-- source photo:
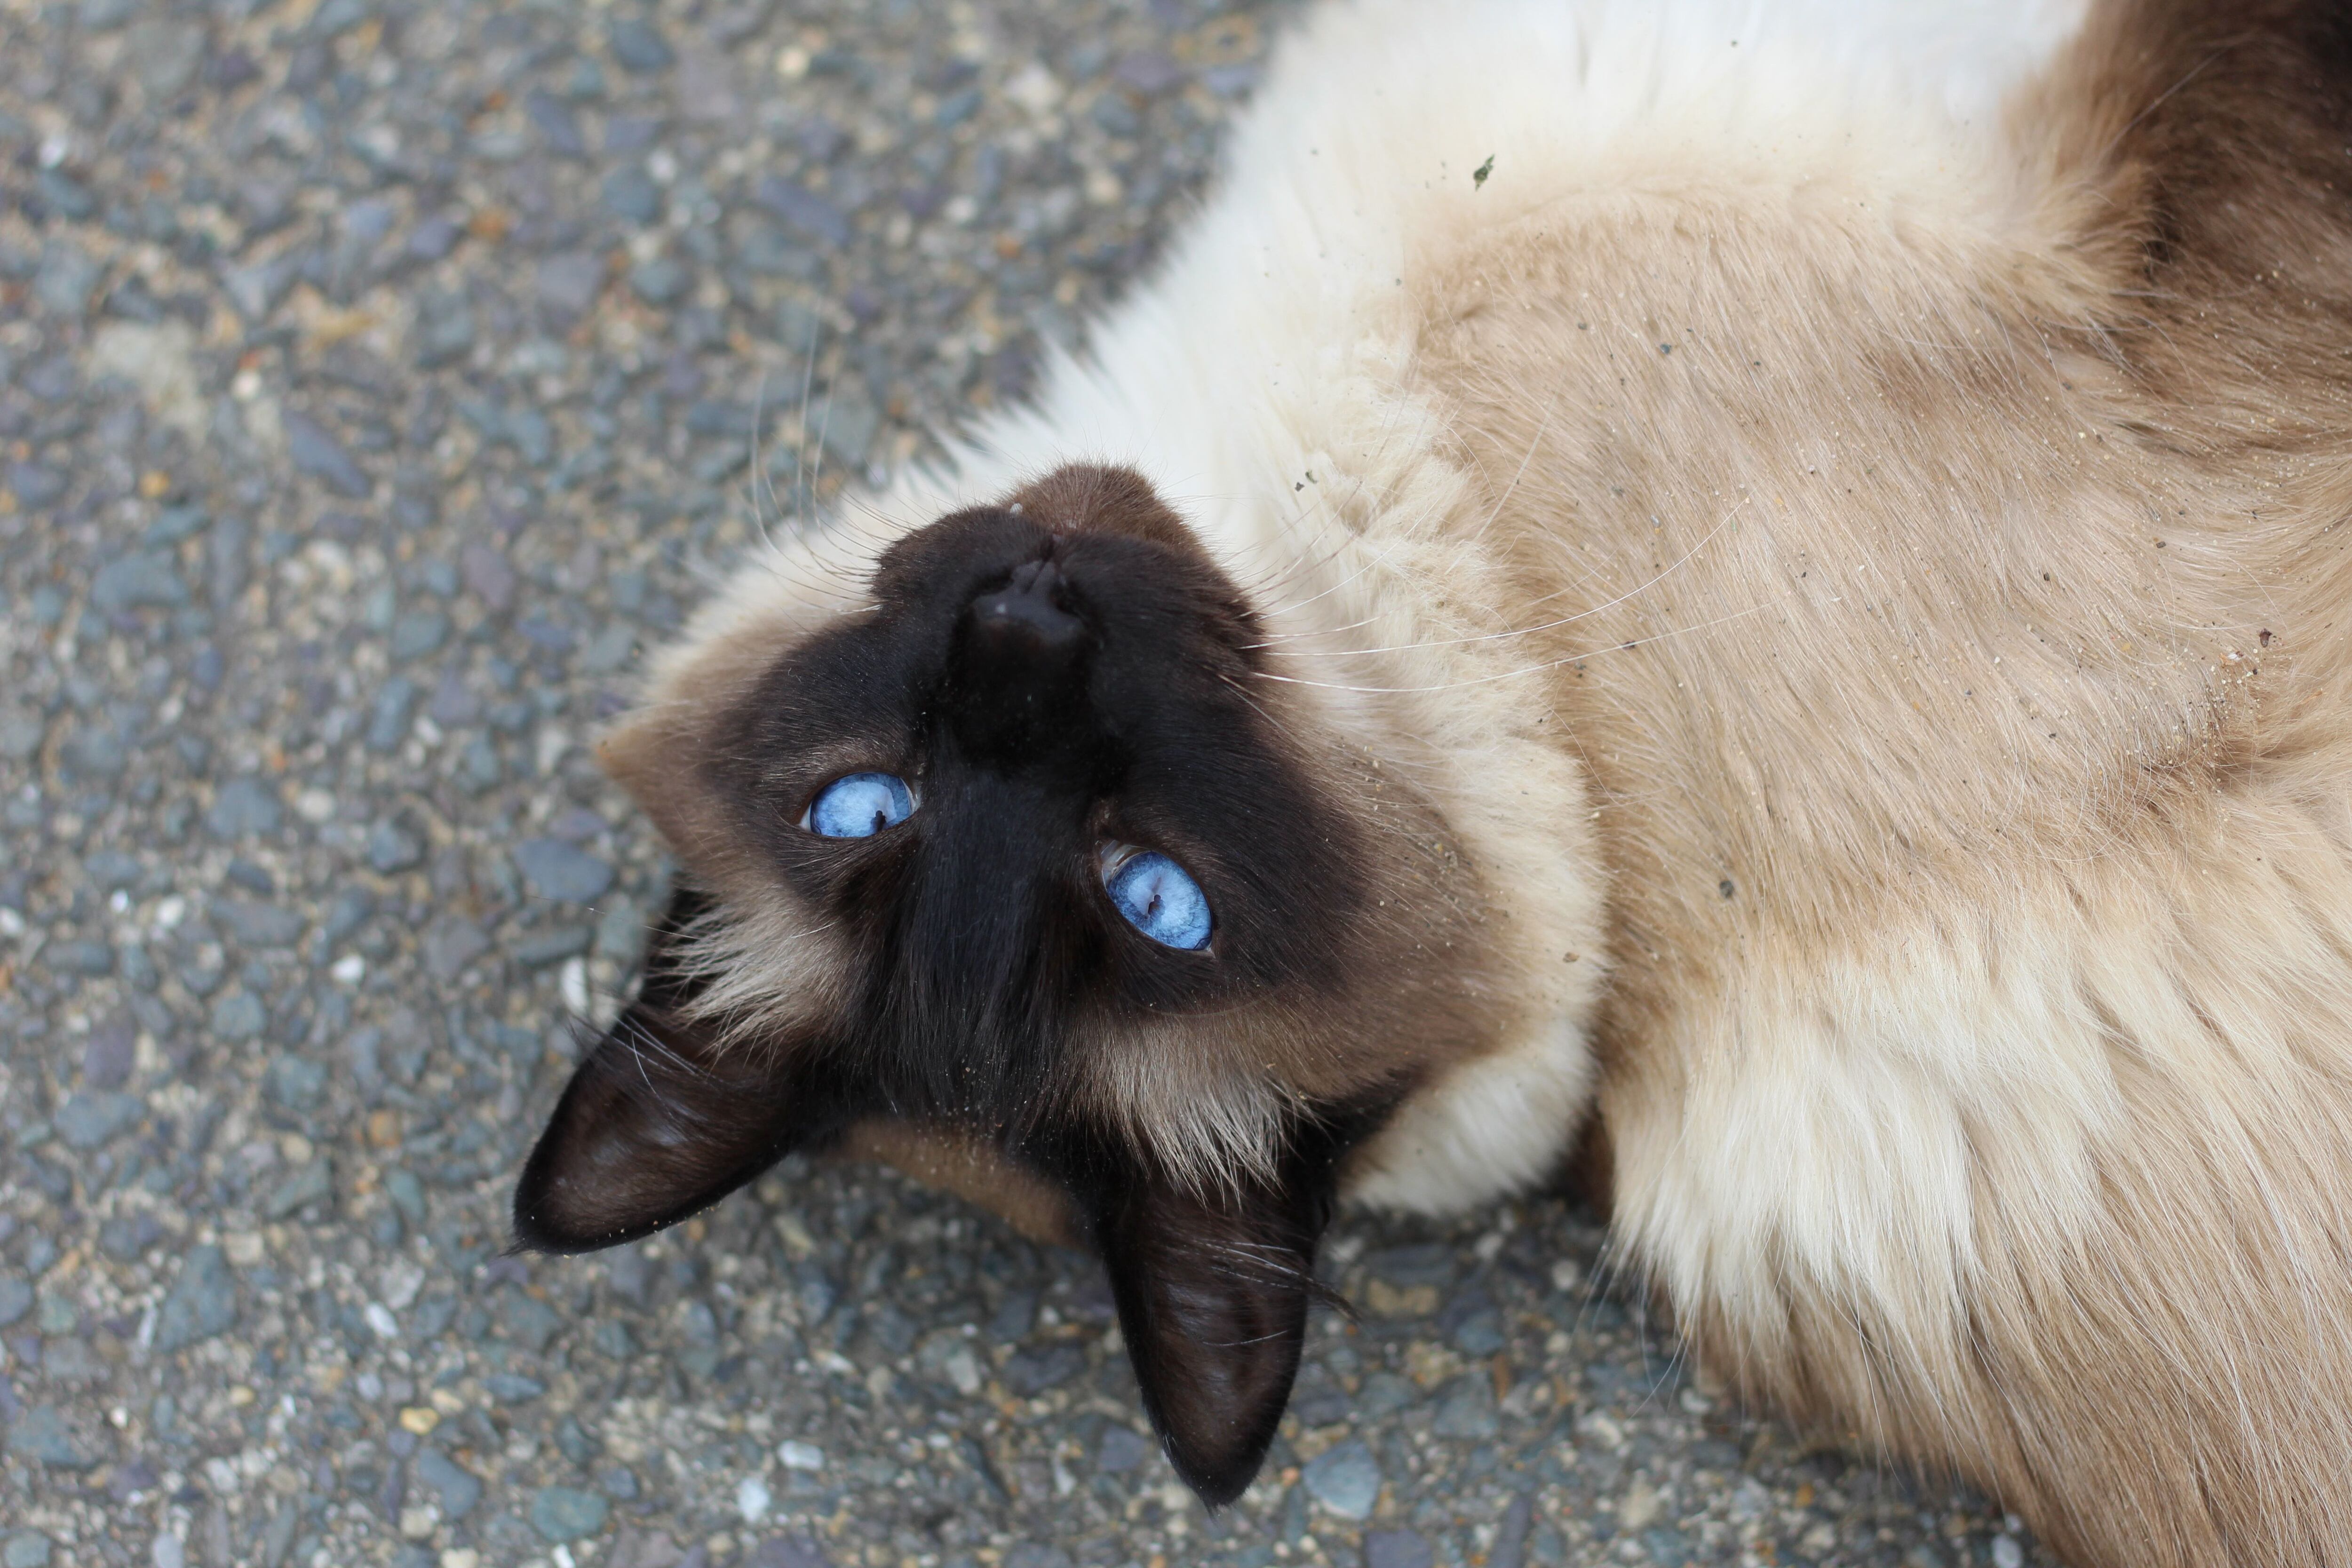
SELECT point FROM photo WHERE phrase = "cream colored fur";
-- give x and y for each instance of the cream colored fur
(1913, 801)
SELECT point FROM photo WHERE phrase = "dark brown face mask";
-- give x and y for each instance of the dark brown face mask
(952, 784)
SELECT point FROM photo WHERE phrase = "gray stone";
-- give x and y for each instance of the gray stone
(417, 633)
(1150, 72)
(16, 1298)
(1466, 1409)
(631, 194)
(453, 703)
(26, 1549)
(621, 932)
(294, 1082)
(334, 18)
(514, 1388)
(105, 15)
(555, 120)
(567, 1513)
(201, 1301)
(444, 328)
(1035, 1554)
(639, 48)
(110, 869)
(543, 948)
(609, 649)
(1397, 1549)
(815, 215)
(762, 247)
(557, 870)
(458, 1488)
(91, 1119)
(244, 807)
(262, 926)
(1407, 1266)
(530, 433)
(21, 736)
(393, 710)
(391, 848)
(407, 1194)
(141, 579)
(35, 485)
(452, 943)
(42, 1437)
(67, 277)
(238, 1016)
(313, 1183)
(1346, 1479)
(569, 283)
(1033, 1370)
(575, 1441)
(316, 452)
(1672, 1549)
(74, 956)
(480, 759)
(433, 238)
(110, 1054)
(1120, 1449)
(845, 425)
(487, 575)
(1479, 1334)
(660, 280)
(163, 54)
(97, 751)
(259, 288)
(528, 1322)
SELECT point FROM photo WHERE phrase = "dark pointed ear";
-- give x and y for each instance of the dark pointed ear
(661, 1120)
(1212, 1289)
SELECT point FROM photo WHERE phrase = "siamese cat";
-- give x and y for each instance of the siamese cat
(1770, 579)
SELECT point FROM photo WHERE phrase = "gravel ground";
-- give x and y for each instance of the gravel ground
(376, 382)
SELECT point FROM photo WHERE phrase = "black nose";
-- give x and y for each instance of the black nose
(1016, 689)
(1025, 620)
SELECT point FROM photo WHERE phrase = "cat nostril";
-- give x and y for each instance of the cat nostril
(1024, 612)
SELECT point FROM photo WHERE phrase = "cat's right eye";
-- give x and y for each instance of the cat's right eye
(859, 806)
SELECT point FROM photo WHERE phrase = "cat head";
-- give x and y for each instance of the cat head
(1003, 840)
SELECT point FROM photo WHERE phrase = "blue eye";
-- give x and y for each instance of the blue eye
(859, 806)
(1159, 899)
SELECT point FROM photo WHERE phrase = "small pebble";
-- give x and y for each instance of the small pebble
(566, 1513)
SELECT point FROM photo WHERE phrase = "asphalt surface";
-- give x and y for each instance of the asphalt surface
(377, 382)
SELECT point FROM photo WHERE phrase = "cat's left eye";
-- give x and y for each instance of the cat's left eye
(859, 806)
(1158, 897)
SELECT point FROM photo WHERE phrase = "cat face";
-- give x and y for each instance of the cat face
(1020, 853)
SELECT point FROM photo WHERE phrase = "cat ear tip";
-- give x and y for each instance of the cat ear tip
(1220, 1492)
(1218, 1480)
(529, 1231)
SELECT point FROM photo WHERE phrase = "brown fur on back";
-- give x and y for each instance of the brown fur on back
(1953, 621)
